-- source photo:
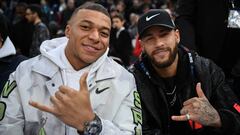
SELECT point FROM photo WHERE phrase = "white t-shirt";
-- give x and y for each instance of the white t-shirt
(72, 77)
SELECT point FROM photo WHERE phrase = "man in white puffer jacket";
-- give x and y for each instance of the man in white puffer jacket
(45, 95)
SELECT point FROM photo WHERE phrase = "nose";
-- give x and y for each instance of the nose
(159, 42)
(94, 35)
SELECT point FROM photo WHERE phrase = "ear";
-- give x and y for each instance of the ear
(67, 31)
(177, 34)
(142, 45)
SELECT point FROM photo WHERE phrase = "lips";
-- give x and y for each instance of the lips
(90, 48)
(160, 52)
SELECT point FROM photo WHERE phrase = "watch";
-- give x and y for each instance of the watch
(93, 127)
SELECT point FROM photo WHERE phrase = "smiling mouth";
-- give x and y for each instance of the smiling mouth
(160, 52)
(90, 48)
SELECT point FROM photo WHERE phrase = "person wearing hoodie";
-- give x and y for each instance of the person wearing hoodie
(46, 95)
(9, 60)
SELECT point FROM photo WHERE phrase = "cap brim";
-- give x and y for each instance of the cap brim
(163, 25)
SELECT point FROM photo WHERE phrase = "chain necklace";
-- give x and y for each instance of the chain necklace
(170, 94)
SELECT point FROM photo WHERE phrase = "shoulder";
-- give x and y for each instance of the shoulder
(201, 64)
(39, 62)
(28, 63)
(119, 70)
(20, 58)
(205, 64)
(121, 80)
(120, 75)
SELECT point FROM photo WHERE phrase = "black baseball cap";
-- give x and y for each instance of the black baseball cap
(153, 17)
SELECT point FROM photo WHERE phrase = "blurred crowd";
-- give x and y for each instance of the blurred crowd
(140, 39)
(55, 14)
(30, 22)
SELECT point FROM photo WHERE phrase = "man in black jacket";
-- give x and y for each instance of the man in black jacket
(211, 28)
(121, 42)
(181, 92)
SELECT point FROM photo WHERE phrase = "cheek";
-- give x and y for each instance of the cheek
(147, 50)
(105, 42)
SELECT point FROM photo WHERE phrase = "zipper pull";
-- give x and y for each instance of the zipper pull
(41, 130)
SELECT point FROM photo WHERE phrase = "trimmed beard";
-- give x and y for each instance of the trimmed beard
(167, 63)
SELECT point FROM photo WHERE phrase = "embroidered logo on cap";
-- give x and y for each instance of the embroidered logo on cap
(149, 18)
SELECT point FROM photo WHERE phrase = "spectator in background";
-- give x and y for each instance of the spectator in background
(121, 43)
(40, 33)
(54, 30)
(62, 5)
(20, 26)
(47, 12)
(121, 7)
(9, 60)
(204, 26)
(66, 13)
(132, 29)
(181, 92)
(133, 25)
(113, 12)
(212, 39)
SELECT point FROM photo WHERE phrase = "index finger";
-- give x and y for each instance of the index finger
(179, 118)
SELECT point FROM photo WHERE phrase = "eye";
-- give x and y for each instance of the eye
(104, 34)
(85, 27)
(164, 32)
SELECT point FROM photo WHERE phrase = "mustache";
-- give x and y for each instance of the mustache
(157, 50)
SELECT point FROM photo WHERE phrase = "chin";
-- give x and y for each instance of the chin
(90, 60)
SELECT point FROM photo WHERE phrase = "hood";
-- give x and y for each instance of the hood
(51, 49)
(7, 48)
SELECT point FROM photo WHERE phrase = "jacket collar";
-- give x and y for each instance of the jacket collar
(54, 73)
(183, 68)
(47, 68)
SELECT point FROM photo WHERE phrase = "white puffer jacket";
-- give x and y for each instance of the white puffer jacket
(39, 78)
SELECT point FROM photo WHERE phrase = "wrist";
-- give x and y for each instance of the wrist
(93, 127)
(88, 118)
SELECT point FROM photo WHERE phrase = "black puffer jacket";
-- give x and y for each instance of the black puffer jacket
(156, 111)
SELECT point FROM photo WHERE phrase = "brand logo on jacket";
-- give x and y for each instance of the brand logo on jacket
(98, 91)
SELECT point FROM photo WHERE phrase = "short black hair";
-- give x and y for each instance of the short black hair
(35, 9)
(91, 6)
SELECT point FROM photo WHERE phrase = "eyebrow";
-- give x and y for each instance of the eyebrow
(90, 22)
(146, 34)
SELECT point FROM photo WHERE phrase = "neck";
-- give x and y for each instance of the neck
(169, 71)
(37, 21)
(76, 63)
